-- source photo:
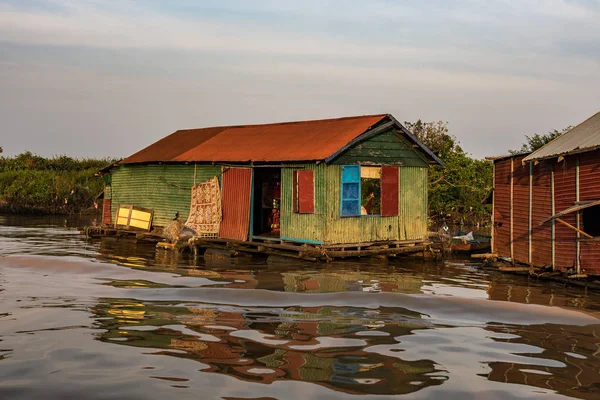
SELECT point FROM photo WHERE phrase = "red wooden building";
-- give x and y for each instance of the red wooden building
(547, 203)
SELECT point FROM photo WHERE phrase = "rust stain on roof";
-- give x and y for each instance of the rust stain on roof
(285, 141)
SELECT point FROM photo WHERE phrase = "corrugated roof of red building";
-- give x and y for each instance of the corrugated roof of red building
(285, 141)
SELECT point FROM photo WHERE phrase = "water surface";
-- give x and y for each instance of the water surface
(118, 320)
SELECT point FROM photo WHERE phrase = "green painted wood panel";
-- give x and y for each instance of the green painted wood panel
(353, 229)
(303, 226)
(328, 226)
(413, 202)
(164, 188)
(386, 148)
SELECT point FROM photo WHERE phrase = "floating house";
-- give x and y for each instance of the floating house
(328, 182)
(547, 203)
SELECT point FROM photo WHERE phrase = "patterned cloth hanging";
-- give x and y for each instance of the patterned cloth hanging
(205, 208)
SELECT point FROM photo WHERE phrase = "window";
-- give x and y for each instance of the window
(369, 190)
(350, 190)
(303, 196)
(591, 220)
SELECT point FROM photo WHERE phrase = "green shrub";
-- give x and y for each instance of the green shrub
(59, 185)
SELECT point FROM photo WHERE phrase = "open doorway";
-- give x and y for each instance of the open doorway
(267, 201)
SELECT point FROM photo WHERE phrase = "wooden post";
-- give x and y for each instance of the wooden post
(579, 231)
(553, 221)
(578, 216)
(530, 213)
(512, 212)
(493, 241)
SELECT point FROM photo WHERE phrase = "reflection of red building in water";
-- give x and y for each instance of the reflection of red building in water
(572, 367)
(248, 345)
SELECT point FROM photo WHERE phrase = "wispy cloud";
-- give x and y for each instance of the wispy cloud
(463, 61)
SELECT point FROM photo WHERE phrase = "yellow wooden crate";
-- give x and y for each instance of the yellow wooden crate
(132, 217)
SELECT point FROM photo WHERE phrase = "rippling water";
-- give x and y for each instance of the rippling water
(118, 320)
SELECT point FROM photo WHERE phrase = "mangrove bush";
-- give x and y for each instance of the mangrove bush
(456, 192)
(59, 185)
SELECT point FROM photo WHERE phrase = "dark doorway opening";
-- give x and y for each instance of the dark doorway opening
(591, 220)
(267, 201)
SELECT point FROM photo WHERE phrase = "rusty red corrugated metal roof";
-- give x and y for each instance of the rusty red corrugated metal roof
(285, 141)
(167, 148)
(288, 141)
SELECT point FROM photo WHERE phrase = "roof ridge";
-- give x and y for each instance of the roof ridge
(310, 121)
(565, 137)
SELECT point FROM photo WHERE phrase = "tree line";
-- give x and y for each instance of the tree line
(63, 185)
(457, 192)
(58, 185)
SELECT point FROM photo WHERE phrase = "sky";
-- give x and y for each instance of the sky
(107, 78)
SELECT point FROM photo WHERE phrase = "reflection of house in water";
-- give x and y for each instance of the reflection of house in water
(570, 350)
(264, 346)
(542, 295)
(325, 281)
(574, 348)
(130, 254)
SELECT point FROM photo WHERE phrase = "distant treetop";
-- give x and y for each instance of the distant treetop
(537, 141)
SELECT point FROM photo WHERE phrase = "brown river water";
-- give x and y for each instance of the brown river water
(84, 319)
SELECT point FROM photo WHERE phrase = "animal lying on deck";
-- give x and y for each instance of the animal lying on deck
(176, 231)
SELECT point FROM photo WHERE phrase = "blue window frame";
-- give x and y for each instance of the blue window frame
(350, 206)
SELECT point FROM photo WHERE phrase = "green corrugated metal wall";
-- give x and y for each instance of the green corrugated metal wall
(156, 187)
(304, 226)
(327, 225)
(413, 202)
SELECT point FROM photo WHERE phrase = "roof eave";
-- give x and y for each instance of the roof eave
(433, 159)
(566, 153)
(425, 149)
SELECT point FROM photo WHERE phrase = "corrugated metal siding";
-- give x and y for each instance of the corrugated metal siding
(565, 197)
(106, 213)
(521, 210)
(303, 226)
(107, 192)
(413, 203)
(542, 209)
(389, 147)
(411, 223)
(502, 208)
(153, 186)
(236, 203)
(589, 189)
(327, 225)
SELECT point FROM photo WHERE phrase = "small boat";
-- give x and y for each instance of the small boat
(469, 243)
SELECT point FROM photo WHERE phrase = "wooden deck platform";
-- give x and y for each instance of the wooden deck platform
(96, 232)
(273, 246)
(310, 252)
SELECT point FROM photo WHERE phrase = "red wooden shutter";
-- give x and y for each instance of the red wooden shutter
(390, 188)
(295, 192)
(306, 192)
(106, 215)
